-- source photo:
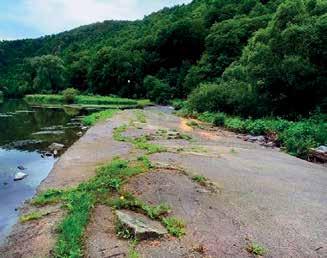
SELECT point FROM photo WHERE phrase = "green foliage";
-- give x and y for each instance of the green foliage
(200, 179)
(140, 116)
(141, 142)
(296, 137)
(69, 95)
(50, 196)
(80, 200)
(175, 226)
(242, 57)
(256, 249)
(45, 74)
(71, 229)
(81, 100)
(300, 137)
(279, 71)
(157, 90)
(94, 118)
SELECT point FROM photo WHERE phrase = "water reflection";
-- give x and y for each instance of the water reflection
(26, 133)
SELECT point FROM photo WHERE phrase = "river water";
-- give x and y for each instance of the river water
(25, 135)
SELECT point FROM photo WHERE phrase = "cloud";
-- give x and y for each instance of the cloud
(52, 16)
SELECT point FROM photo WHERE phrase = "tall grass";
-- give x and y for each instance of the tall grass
(80, 99)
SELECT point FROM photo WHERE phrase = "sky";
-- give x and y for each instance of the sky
(34, 18)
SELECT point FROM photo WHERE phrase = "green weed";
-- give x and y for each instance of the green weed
(31, 216)
(200, 180)
(175, 226)
(256, 249)
(140, 116)
(98, 117)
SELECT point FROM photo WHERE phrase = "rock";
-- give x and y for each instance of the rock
(20, 167)
(84, 128)
(79, 134)
(48, 154)
(55, 152)
(141, 226)
(270, 144)
(322, 149)
(251, 138)
(20, 176)
(56, 146)
(171, 135)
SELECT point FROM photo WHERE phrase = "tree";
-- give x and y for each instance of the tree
(157, 90)
(45, 73)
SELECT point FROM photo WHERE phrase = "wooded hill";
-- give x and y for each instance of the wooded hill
(246, 57)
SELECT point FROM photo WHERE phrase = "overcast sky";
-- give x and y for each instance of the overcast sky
(34, 18)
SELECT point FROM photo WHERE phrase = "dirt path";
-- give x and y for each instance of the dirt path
(262, 195)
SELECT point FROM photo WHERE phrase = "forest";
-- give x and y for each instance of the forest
(248, 58)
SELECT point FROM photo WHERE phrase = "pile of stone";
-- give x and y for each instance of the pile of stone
(262, 140)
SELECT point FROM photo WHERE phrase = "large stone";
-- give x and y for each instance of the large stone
(322, 149)
(56, 146)
(20, 176)
(142, 226)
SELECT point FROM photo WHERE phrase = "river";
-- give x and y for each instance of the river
(25, 135)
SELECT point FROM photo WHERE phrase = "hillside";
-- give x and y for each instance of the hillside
(260, 48)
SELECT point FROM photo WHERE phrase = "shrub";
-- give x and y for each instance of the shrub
(69, 95)
(302, 136)
(157, 90)
(219, 119)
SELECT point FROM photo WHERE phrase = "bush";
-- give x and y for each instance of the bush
(157, 90)
(70, 95)
(302, 136)
(219, 119)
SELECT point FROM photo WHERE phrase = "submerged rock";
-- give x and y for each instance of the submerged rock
(141, 226)
(20, 176)
(20, 167)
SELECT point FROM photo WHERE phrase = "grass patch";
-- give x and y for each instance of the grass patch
(51, 196)
(130, 202)
(140, 116)
(79, 201)
(31, 216)
(175, 226)
(200, 180)
(141, 143)
(80, 99)
(256, 249)
(94, 118)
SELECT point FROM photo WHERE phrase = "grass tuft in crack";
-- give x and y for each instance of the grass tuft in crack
(256, 249)
(175, 226)
(79, 201)
(32, 216)
(140, 116)
(141, 143)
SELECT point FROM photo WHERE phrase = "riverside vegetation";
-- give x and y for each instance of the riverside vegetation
(249, 59)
